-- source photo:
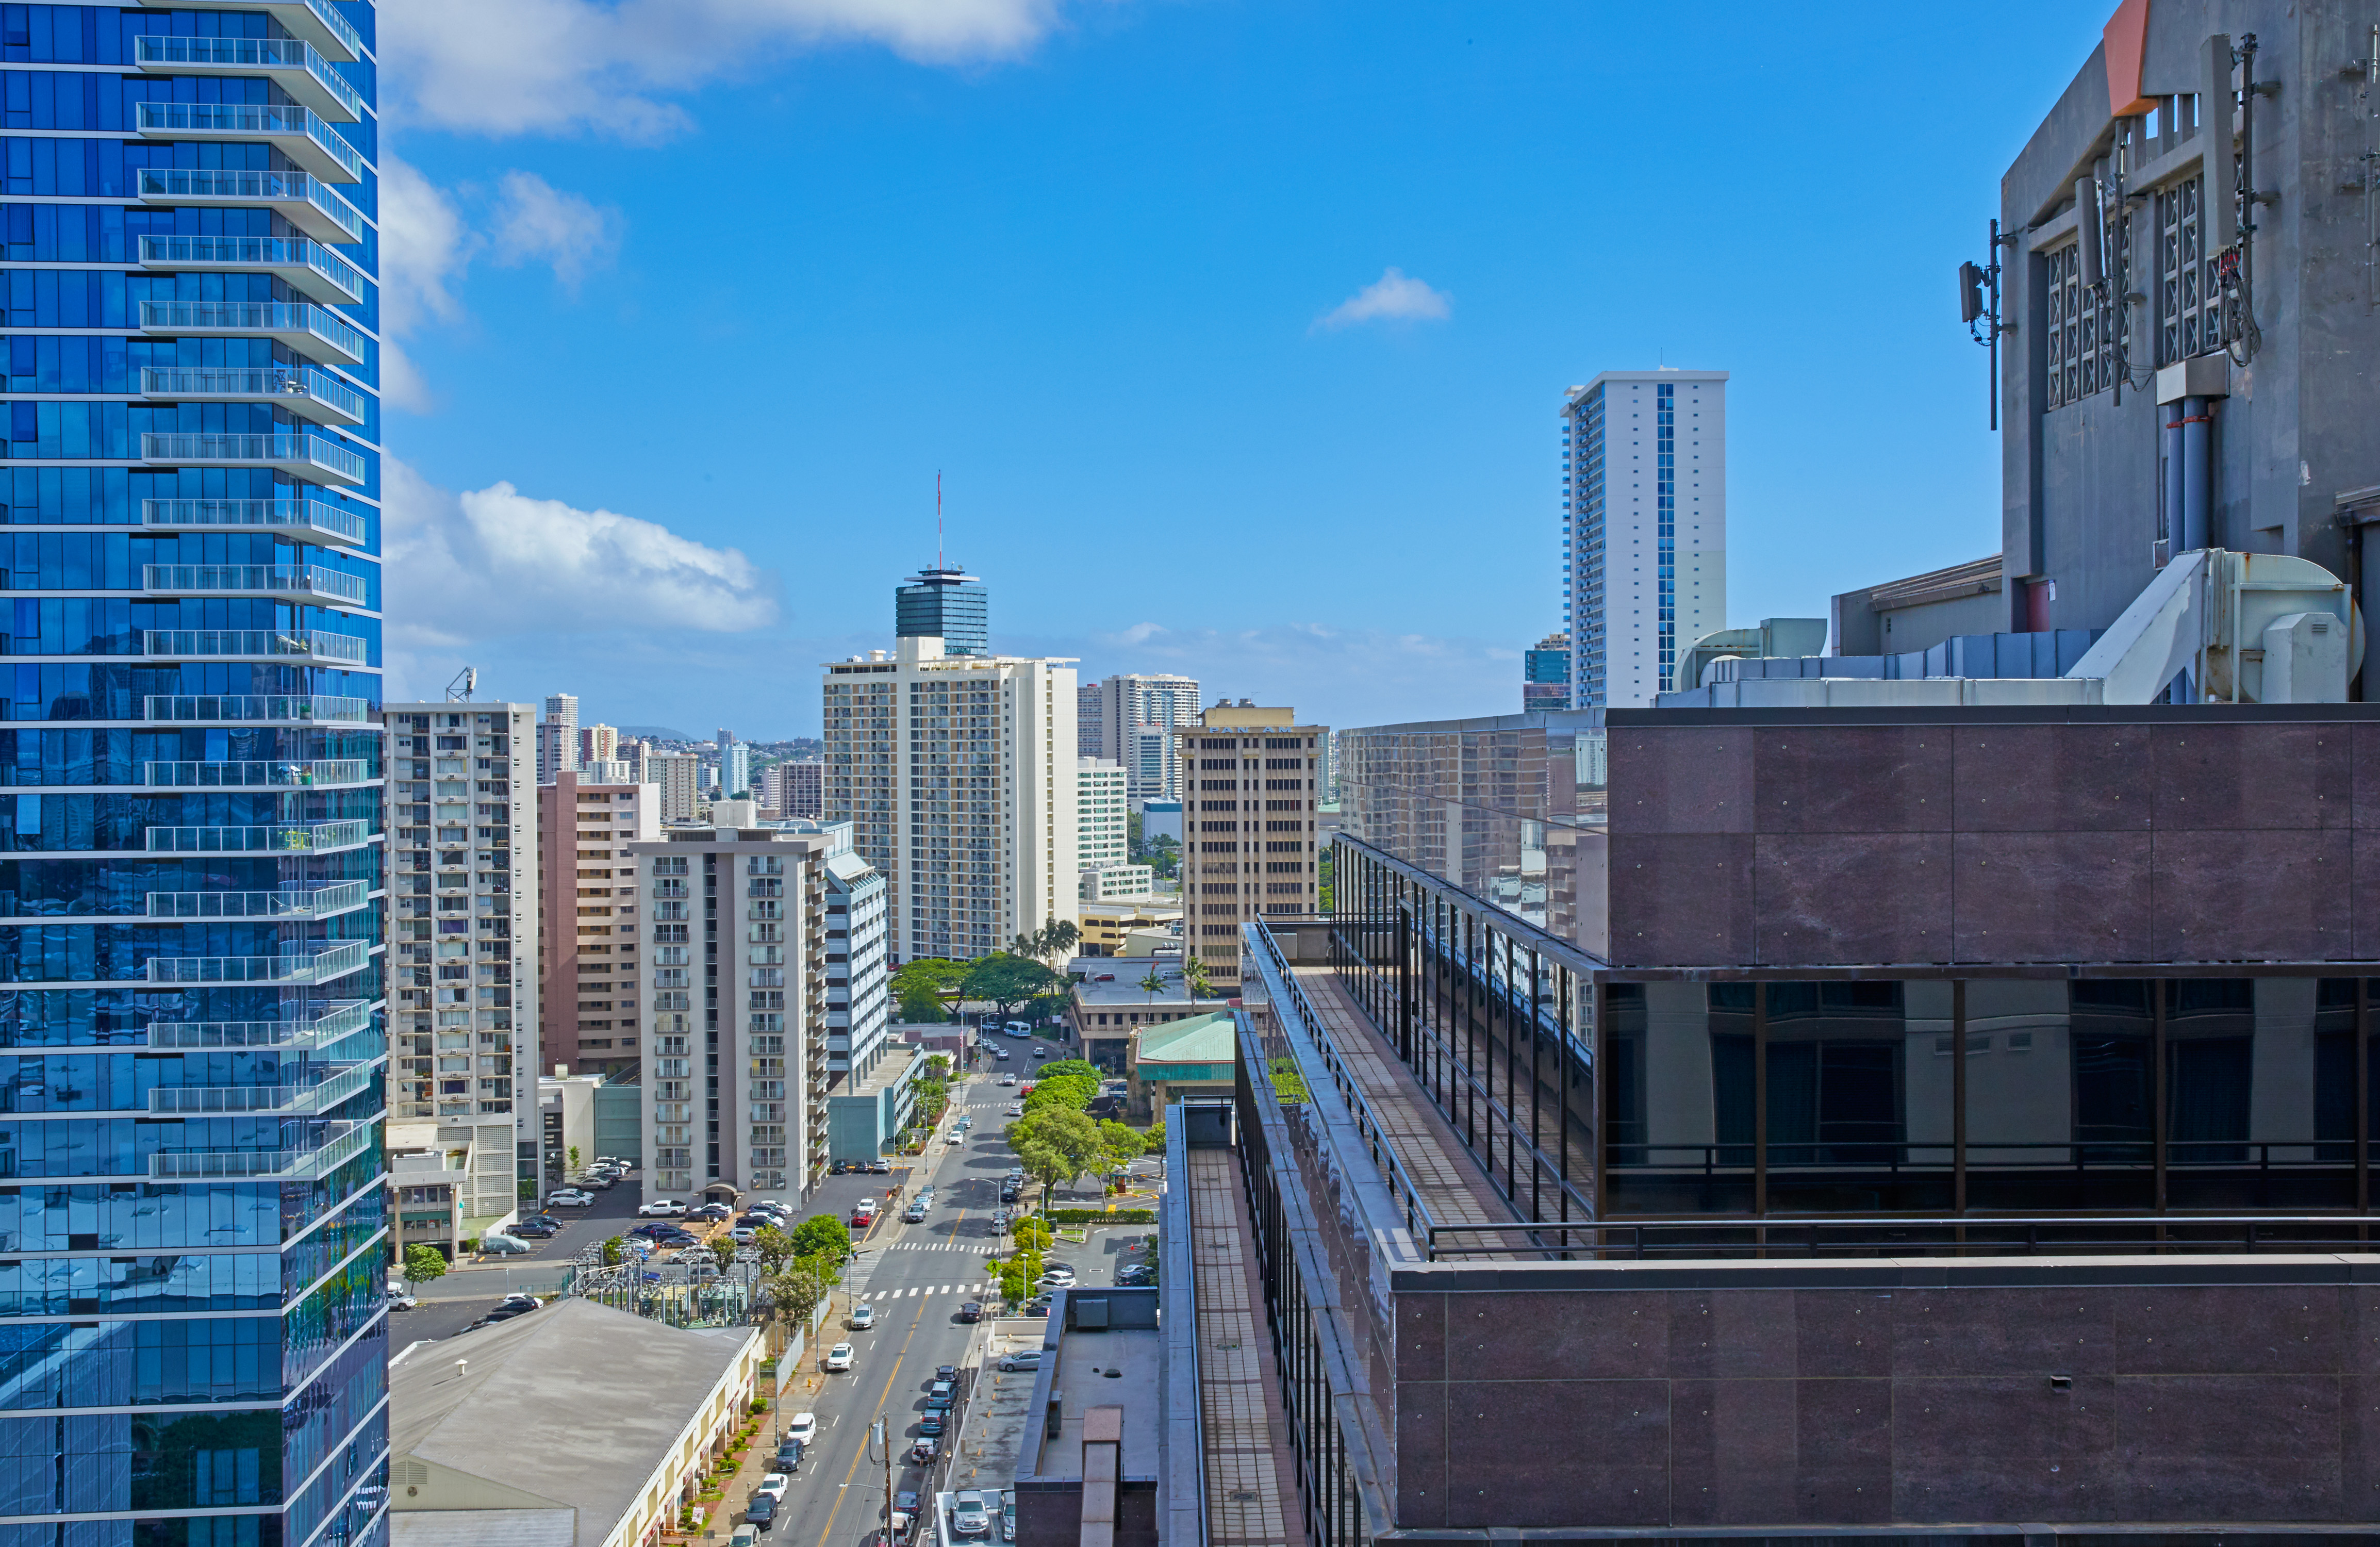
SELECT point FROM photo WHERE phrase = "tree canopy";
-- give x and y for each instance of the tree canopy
(821, 1236)
(1008, 981)
(1073, 1093)
(1055, 1144)
(1058, 1068)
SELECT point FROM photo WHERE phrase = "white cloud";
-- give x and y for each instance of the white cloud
(495, 561)
(428, 239)
(521, 67)
(1393, 297)
(537, 223)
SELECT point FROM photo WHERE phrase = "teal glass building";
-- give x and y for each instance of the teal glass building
(193, 1220)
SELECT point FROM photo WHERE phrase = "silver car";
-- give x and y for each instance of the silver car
(968, 1516)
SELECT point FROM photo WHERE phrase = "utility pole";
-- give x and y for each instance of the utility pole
(884, 1432)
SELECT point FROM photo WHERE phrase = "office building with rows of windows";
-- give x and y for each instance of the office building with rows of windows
(1643, 528)
(193, 1204)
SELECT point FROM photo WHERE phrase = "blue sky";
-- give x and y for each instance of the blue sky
(694, 303)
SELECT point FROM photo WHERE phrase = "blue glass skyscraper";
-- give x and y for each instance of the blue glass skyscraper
(192, 1213)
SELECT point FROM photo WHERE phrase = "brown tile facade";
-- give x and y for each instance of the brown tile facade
(2181, 836)
(1795, 1407)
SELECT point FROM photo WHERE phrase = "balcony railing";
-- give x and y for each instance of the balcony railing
(204, 644)
(301, 262)
(317, 21)
(296, 517)
(339, 1022)
(304, 135)
(295, 453)
(285, 902)
(301, 198)
(321, 967)
(324, 773)
(309, 329)
(310, 394)
(292, 1100)
(311, 583)
(307, 838)
(344, 1145)
(302, 72)
(279, 709)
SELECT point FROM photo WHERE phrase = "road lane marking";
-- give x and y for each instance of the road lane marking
(882, 1397)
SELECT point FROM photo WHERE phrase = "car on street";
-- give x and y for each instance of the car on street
(922, 1453)
(968, 1518)
(1040, 1052)
(789, 1456)
(931, 1423)
(661, 1208)
(1001, 1053)
(941, 1395)
(971, 1311)
(946, 1373)
(1014, 1110)
(403, 1302)
(838, 1357)
(761, 1511)
(774, 1485)
(913, 1215)
(569, 1198)
(801, 1427)
(745, 1536)
(503, 1246)
(862, 1318)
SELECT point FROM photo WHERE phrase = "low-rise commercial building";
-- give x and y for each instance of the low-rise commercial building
(1181, 1059)
(1090, 1472)
(866, 1114)
(1111, 1000)
(1106, 923)
(1116, 883)
(573, 1426)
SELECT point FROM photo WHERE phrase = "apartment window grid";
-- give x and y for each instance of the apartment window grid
(1665, 490)
(1587, 665)
(2185, 277)
(2078, 360)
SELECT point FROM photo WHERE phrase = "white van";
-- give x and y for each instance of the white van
(1019, 1029)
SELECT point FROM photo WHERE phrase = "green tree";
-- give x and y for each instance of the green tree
(574, 1157)
(776, 1246)
(424, 1263)
(1055, 1144)
(1153, 1144)
(616, 1251)
(937, 1066)
(1325, 873)
(1194, 978)
(724, 1249)
(919, 987)
(1056, 940)
(1072, 1092)
(1007, 980)
(1122, 1143)
(1151, 985)
(798, 1289)
(1059, 1068)
(823, 1236)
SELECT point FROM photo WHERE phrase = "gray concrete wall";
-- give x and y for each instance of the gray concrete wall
(1794, 1398)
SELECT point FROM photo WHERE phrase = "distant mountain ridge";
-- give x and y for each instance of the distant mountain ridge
(656, 733)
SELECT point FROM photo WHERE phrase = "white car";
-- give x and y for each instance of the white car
(838, 1357)
(570, 1198)
(774, 1485)
(801, 1427)
(968, 1518)
(862, 1317)
(661, 1208)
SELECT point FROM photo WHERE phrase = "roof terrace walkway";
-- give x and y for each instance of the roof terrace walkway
(1248, 1461)
(1446, 1177)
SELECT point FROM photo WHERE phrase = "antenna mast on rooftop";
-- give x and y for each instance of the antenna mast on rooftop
(465, 682)
(938, 520)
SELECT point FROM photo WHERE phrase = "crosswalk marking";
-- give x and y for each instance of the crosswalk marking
(922, 1289)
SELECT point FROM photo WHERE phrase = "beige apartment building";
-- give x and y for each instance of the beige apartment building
(957, 774)
(1250, 782)
(463, 910)
(678, 776)
(589, 980)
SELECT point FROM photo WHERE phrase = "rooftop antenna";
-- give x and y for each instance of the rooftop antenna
(938, 520)
(460, 689)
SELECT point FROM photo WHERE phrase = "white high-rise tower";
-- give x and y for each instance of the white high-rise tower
(1643, 528)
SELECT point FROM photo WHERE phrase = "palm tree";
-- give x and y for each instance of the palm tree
(1152, 984)
(1194, 978)
(1058, 939)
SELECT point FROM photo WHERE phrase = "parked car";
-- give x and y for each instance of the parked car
(845, 1168)
(1138, 1273)
(403, 1302)
(710, 1210)
(661, 1208)
(922, 1453)
(862, 1318)
(637, 1231)
(971, 1311)
(881, 1167)
(678, 1238)
(1029, 1358)
(929, 1423)
(789, 1455)
(913, 1215)
(745, 1536)
(601, 1181)
(801, 1427)
(968, 1518)
(569, 1198)
(942, 1395)
(745, 1234)
(774, 1485)
(761, 1511)
(864, 1214)
(503, 1246)
(536, 1230)
(838, 1357)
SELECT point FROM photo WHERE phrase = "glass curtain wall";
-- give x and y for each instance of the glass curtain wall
(193, 1349)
